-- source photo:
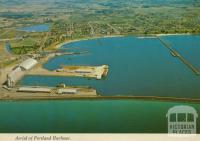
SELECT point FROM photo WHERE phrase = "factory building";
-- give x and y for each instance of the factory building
(19, 71)
(14, 76)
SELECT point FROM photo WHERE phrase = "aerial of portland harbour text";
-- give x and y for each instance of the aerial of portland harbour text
(99, 66)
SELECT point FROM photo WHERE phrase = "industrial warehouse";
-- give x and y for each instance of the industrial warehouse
(20, 71)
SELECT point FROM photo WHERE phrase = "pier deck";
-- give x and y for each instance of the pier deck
(81, 71)
(35, 92)
(11, 95)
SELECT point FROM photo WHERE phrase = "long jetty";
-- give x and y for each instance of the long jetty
(176, 54)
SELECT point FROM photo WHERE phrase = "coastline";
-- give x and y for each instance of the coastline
(178, 34)
(112, 36)
(85, 39)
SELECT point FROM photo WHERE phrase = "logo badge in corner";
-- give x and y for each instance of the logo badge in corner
(182, 120)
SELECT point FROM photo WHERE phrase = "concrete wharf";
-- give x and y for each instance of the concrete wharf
(76, 71)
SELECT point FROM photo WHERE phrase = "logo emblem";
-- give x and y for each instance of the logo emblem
(182, 120)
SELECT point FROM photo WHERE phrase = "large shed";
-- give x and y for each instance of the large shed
(28, 64)
(35, 89)
(14, 76)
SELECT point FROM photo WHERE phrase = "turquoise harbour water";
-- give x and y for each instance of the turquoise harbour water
(141, 67)
(35, 28)
(76, 116)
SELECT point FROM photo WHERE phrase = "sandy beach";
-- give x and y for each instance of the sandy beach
(83, 39)
(173, 34)
(97, 37)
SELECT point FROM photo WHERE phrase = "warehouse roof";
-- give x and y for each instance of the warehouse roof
(67, 90)
(35, 89)
(28, 63)
(15, 74)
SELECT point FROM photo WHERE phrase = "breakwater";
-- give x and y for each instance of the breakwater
(89, 96)
(176, 54)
